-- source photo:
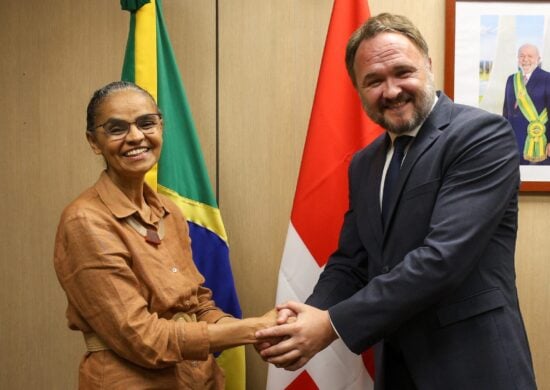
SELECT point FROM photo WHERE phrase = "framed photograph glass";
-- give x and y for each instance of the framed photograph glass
(497, 57)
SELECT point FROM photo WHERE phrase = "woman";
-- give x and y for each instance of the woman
(123, 257)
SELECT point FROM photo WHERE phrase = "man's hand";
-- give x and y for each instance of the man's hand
(310, 333)
(283, 316)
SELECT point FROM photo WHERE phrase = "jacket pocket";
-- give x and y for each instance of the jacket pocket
(420, 189)
(480, 303)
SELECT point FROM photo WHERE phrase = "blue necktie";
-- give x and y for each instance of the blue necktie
(392, 174)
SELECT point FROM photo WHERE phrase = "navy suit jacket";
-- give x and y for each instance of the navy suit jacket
(538, 88)
(438, 282)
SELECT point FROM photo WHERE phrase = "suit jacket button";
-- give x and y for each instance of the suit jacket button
(385, 269)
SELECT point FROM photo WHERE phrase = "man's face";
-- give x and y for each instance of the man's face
(528, 58)
(395, 82)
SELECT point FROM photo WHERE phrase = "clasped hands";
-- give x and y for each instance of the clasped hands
(301, 332)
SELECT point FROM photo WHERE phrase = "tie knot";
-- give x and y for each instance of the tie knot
(401, 142)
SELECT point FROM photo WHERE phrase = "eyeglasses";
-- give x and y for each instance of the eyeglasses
(117, 128)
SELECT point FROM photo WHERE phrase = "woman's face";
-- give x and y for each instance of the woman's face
(130, 157)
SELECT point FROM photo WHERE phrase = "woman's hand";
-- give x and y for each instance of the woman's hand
(268, 320)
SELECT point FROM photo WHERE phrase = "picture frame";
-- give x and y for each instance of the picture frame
(482, 40)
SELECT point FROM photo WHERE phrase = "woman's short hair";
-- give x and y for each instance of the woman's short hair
(99, 96)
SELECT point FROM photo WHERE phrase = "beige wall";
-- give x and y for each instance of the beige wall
(56, 53)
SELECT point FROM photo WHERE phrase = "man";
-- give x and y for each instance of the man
(526, 105)
(424, 273)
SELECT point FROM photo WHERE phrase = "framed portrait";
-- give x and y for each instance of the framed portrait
(497, 57)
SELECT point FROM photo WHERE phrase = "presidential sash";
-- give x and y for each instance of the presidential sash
(534, 149)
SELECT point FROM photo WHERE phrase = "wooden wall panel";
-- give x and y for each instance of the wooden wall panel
(55, 60)
(533, 279)
(269, 60)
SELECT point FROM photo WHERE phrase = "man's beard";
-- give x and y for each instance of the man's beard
(422, 102)
(527, 69)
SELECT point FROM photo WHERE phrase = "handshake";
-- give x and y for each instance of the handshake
(297, 332)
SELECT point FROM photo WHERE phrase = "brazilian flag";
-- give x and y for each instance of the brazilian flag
(181, 172)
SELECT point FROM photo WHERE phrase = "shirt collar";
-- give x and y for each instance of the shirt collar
(119, 204)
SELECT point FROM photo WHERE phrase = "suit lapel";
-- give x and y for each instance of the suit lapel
(438, 119)
(371, 189)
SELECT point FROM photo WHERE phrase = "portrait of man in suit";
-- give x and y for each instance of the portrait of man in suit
(424, 269)
(526, 105)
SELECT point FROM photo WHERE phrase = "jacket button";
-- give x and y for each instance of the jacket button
(385, 269)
